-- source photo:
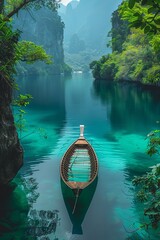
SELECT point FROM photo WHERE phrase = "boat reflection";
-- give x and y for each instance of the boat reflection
(82, 204)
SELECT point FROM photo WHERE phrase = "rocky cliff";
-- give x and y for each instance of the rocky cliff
(11, 153)
(43, 27)
(90, 20)
(87, 23)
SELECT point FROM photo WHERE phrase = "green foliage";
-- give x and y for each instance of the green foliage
(137, 57)
(12, 7)
(127, 64)
(30, 52)
(152, 75)
(144, 14)
(119, 32)
(22, 100)
(8, 41)
(155, 43)
(20, 121)
(149, 192)
(109, 67)
(96, 68)
(149, 184)
(138, 60)
(106, 67)
(154, 142)
(11, 50)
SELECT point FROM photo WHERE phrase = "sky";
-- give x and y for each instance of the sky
(65, 2)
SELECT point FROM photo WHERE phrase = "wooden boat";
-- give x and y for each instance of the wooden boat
(79, 165)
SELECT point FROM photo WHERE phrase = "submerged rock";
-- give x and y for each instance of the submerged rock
(42, 223)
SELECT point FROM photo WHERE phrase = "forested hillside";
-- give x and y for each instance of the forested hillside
(135, 47)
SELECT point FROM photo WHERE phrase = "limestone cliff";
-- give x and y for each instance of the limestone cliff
(44, 27)
(11, 153)
(90, 20)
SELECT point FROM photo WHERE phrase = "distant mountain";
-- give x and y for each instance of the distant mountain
(90, 20)
(87, 23)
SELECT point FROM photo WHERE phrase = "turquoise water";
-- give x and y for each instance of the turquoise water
(117, 118)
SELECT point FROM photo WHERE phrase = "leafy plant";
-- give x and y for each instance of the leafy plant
(21, 102)
(8, 41)
(144, 14)
(12, 7)
(137, 60)
(11, 50)
(154, 142)
(30, 52)
(149, 185)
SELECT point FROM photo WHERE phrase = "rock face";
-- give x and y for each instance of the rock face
(45, 28)
(90, 20)
(11, 153)
(87, 23)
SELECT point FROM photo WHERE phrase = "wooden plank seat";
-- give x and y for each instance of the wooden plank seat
(79, 166)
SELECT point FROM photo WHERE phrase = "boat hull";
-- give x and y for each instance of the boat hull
(79, 166)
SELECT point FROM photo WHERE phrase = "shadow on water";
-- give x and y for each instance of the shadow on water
(82, 206)
(14, 209)
(18, 218)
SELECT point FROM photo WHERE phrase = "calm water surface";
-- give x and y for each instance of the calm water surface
(117, 119)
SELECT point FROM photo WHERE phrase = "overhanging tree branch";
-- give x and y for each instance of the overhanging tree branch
(51, 4)
(16, 10)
